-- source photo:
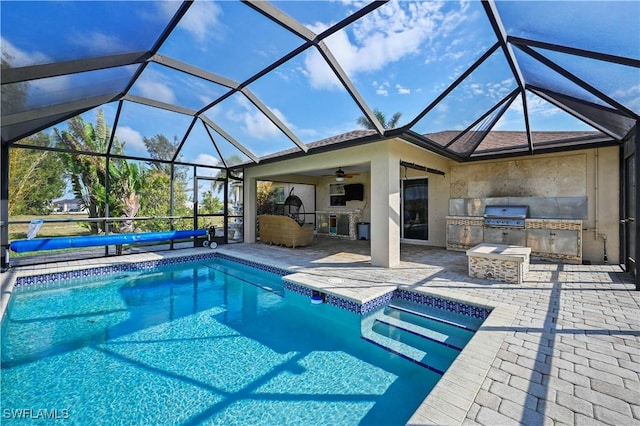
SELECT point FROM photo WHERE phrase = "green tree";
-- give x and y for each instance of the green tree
(88, 173)
(265, 198)
(160, 147)
(126, 183)
(392, 123)
(155, 198)
(210, 204)
(36, 176)
(14, 96)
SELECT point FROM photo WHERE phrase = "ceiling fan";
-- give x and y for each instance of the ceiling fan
(341, 175)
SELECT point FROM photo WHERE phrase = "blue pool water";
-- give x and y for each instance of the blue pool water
(212, 342)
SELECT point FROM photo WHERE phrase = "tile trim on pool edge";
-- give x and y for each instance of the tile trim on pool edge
(56, 278)
(50, 279)
(450, 305)
(261, 266)
(425, 299)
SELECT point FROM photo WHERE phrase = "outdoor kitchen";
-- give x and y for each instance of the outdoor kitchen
(551, 227)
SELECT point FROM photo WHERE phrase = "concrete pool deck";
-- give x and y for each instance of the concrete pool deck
(562, 347)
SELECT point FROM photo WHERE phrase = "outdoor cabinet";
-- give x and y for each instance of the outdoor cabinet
(509, 236)
(338, 224)
(556, 242)
(322, 223)
(464, 235)
(342, 224)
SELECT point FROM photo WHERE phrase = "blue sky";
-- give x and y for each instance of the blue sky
(399, 57)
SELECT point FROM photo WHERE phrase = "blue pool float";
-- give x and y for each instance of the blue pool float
(39, 244)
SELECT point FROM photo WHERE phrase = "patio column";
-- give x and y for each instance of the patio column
(385, 209)
(249, 209)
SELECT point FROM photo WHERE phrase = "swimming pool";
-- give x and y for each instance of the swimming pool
(202, 342)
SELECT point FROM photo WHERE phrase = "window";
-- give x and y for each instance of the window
(336, 195)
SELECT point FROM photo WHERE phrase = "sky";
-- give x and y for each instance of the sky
(400, 58)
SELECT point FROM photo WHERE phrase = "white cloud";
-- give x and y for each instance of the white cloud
(156, 90)
(495, 91)
(388, 34)
(381, 89)
(402, 90)
(259, 126)
(163, 11)
(253, 121)
(132, 138)
(99, 43)
(201, 20)
(20, 58)
(537, 107)
(207, 160)
(630, 97)
(356, 3)
(476, 89)
(49, 88)
(206, 100)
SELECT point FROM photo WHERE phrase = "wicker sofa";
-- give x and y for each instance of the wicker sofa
(282, 230)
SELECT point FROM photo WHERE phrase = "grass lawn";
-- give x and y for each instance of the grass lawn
(54, 229)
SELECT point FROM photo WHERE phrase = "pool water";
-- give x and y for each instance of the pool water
(213, 342)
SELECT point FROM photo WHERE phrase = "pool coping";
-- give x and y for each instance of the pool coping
(448, 402)
(454, 394)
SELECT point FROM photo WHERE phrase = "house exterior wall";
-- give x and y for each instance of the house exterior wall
(593, 174)
(439, 186)
(322, 194)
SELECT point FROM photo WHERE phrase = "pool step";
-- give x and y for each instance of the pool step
(429, 341)
(440, 329)
(399, 348)
(422, 332)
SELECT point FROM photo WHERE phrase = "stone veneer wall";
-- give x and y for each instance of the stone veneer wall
(592, 174)
(511, 271)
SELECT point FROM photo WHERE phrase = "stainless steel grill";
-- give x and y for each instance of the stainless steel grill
(505, 216)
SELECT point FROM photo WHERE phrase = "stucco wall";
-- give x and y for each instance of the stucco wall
(322, 194)
(586, 173)
(439, 186)
(592, 174)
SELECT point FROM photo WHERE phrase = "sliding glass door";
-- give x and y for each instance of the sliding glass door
(415, 209)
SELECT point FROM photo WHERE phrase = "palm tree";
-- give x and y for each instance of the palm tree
(88, 173)
(393, 122)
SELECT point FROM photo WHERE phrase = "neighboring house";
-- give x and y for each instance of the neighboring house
(69, 205)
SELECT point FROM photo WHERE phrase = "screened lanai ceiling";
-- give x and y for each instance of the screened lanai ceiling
(234, 82)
